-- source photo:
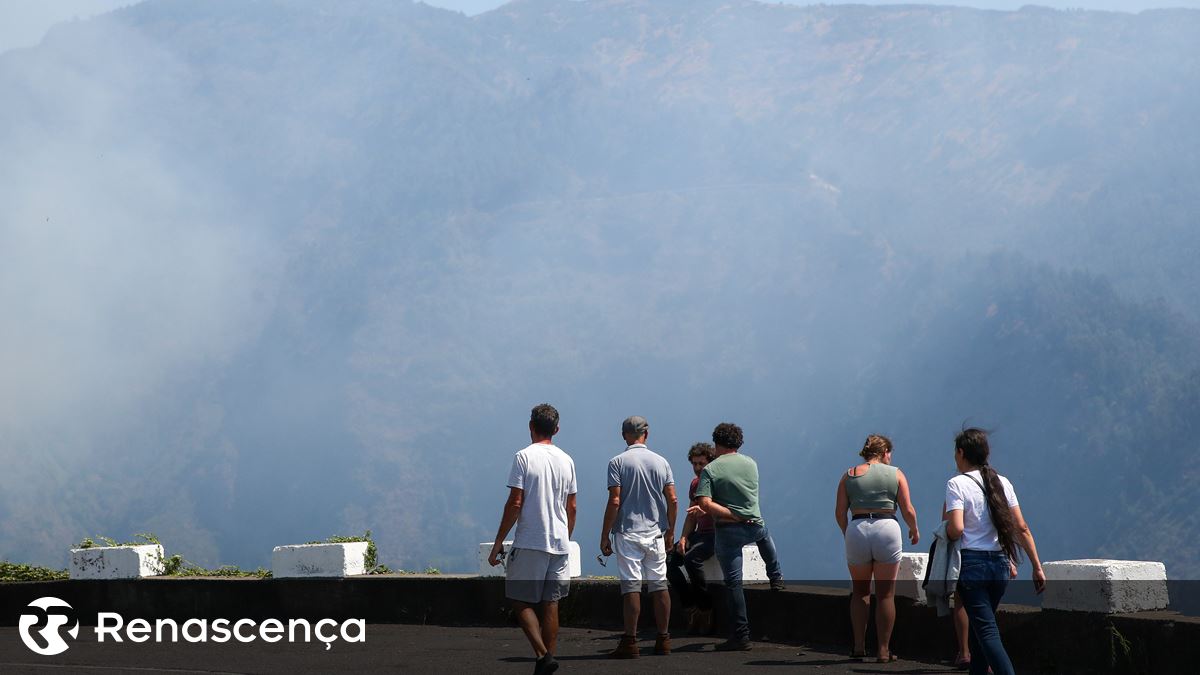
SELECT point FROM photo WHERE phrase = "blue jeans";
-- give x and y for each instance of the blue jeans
(730, 540)
(982, 581)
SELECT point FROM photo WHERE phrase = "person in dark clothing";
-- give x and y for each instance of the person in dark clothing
(695, 546)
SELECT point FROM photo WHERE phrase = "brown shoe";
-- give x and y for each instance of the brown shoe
(662, 644)
(627, 649)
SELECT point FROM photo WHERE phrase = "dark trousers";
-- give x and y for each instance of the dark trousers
(982, 580)
(701, 546)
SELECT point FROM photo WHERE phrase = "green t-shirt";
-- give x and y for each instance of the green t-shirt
(732, 481)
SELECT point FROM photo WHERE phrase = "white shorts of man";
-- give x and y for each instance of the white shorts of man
(641, 557)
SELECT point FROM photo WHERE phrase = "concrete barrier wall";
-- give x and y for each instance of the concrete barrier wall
(319, 560)
(1108, 586)
(1038, 640)
(117, 562)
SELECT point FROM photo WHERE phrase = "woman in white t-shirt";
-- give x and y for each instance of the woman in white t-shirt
(982, 510)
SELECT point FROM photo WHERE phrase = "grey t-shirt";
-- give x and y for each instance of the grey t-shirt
(641, 474)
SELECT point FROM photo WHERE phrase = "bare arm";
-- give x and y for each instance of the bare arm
(672, 513)
(689, 526)
(512, 511)
(906, 507)
(842, 506)
(954, 524)
(707, 505)
(1025, 539)
(570, 515)
(610, 519)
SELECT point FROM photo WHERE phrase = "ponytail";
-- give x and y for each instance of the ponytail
(1002, 515)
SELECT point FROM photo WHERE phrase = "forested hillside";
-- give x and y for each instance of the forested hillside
(272, 271)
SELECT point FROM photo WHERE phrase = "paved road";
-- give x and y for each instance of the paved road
(424, 649)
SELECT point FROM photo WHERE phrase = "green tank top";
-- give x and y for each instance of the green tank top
(876, 489)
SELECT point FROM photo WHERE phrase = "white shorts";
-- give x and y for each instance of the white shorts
(871, 540)
(533, 576)
(641, 557)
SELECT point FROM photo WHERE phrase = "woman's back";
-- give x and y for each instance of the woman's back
(873, 490)
(965, 492)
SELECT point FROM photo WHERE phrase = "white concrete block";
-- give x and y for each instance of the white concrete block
(117, 562)
(319, 560)
(754, 570)
(1107, 586)
(574, 561)
(910, 576)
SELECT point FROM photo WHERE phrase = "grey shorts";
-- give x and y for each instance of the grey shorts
(533, 576)
(873, 540)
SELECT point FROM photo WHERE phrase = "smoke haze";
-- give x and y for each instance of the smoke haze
(275, 271)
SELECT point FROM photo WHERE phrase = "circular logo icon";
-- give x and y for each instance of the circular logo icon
(42, 625)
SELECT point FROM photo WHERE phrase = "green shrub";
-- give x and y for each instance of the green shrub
(21, 572)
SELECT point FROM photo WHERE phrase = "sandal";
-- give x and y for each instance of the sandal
(890, 658)
(961, 662)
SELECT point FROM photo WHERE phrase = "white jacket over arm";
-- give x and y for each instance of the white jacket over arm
(944, 566)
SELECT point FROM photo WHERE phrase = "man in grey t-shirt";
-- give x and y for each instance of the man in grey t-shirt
(640, 517)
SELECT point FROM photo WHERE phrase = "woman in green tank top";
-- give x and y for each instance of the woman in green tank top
(867, 498)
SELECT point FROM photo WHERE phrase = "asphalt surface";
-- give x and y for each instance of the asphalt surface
(391, 648)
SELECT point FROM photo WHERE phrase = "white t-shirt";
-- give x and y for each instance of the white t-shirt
(964, 494)
(547, 475)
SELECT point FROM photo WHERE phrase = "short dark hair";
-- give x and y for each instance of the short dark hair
(544, 419)
(727, 435)
(705, 450)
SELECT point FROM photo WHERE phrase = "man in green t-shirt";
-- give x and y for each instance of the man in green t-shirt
(728, 492)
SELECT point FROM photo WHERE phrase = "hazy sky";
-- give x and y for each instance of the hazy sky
(23, 23)
(475, 6)
(278, 298)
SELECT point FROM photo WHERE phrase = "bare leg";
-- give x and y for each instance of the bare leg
(662, 610)
(860, 604)
(550, 626)
(961, 626)
(885, 605)
(633, 607)
(528, 621)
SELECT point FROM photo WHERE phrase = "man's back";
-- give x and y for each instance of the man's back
(641, 474)
(731, 480)
(546, 474)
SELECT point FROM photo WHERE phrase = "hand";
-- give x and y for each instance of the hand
(696, 510)
(1012, 570)
(681, 545)
(668, 541)
(605, 546)
(914, 536)
(1039, 580)
(496, 554)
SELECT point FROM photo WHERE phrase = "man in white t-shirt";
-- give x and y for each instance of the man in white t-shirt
(541, 502)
